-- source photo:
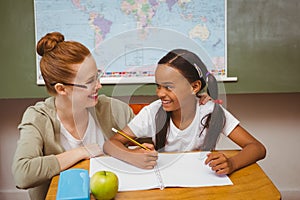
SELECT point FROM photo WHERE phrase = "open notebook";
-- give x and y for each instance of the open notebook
(176, 169)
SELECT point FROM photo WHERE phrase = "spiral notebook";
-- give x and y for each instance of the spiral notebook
(176, 170)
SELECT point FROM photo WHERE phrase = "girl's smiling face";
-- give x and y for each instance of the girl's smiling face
(173, 88)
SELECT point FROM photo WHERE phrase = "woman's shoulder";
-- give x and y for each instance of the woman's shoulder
(40, 111)
(109, 104)
(105, 100)
(44, 106)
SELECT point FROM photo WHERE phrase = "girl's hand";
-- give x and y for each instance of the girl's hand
(219, 163)
(145, 159)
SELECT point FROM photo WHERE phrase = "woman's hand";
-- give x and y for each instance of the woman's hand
(204, 98)
(142, 158)
(70, 157)
(219, 163)
(91, 150)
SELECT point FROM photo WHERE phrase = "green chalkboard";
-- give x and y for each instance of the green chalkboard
(264, 45)
(263, 49)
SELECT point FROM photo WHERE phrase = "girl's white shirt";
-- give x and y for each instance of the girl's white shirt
(92, 135)
(143, 125)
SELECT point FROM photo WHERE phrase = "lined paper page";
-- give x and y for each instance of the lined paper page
(177, 170)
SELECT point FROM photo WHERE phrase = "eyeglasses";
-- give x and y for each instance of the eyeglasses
(91, 83)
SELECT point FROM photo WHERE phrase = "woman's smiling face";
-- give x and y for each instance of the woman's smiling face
(87, 75)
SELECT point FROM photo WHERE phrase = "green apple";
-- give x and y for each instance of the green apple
(104, 185)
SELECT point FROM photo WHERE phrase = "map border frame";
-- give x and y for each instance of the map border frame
(142, 79)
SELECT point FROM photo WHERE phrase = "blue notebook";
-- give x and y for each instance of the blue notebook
(73, 184)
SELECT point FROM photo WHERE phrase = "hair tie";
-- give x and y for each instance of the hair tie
(218, 101)
(198, 70)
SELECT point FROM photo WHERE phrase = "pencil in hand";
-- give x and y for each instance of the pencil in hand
(156, 169)
(129, 138)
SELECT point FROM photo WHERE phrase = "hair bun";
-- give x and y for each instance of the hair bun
(49, 42)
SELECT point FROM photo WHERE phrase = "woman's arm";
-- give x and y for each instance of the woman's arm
(116, 147)
(31, 167)
(39, 156)
(71, 157)
(252, 151)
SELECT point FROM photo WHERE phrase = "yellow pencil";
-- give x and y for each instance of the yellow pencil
(129, 138)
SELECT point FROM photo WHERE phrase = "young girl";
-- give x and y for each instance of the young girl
(69, 126)
(177, 123)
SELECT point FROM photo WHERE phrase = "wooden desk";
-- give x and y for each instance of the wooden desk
(248, 183)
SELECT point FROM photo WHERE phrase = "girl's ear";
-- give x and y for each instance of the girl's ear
(60, 89)
(196, 86)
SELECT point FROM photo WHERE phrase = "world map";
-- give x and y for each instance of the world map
(128, 37)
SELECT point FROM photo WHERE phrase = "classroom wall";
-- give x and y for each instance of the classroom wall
(272, 118)
(262, 36)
